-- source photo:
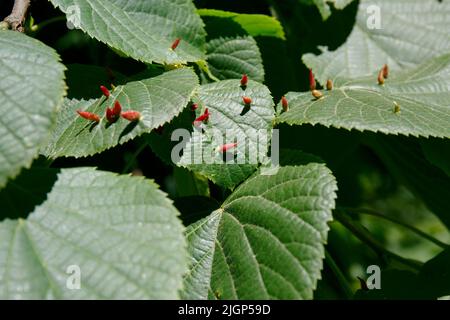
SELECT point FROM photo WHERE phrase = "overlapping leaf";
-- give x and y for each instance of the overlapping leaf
(137, 253)
(230, 58)
(422, 96)
(31, 89)
(267, 239)
(253, 24)
(158, 100)
(410, 32)
(142, 29)
(230, 119)
(324, 6)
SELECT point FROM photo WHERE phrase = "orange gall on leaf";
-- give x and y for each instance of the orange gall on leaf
(244, 80)
(284, 103)
(385, 71)
(175, 43)
(317, 94)
(381, 77)
(117, 108)
(226, 147)
(105, 91)
(131, 115)
(247, 100)
(88, 115)
(312, 80)
(329, 84)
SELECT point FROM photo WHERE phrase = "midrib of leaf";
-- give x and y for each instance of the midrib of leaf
(239, 230)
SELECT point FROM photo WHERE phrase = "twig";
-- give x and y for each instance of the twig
(341, 279)
(17, 17)
(400, 223)
(364, 236)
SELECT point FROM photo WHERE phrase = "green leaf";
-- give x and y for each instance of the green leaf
(435, 275)
(437, 152)
(421, 94)
(31, 90)
(141, 29)
(269, 35)
(134, 254)
(229, 120)
(266, 240)
(406, 162)
(158, 100)
(26, 191)
(189, 183)
(412, 31)
(230, 58)
(253, 24)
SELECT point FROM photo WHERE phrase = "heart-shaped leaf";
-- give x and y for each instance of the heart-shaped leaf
(158, 100)
(412, 102)
(400, 33)
(31, 89)
(82, 232)
(267, 239)
(144, 30)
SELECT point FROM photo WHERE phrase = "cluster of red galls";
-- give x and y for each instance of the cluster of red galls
(112, 114)
(205, 115)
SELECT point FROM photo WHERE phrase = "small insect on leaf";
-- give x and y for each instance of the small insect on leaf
(396, 107)
(381, 77)
(317, 94)
(244, 80)
(131, 115)
(202, 118)
(175, 43)
(194, 106)
(247, 100)
(385, 71)
(226, 147)
(312, 80)
(105, 91)
(329, 84)
(88, 115)
(284, 103)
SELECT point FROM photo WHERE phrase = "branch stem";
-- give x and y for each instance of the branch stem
(17, 17)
